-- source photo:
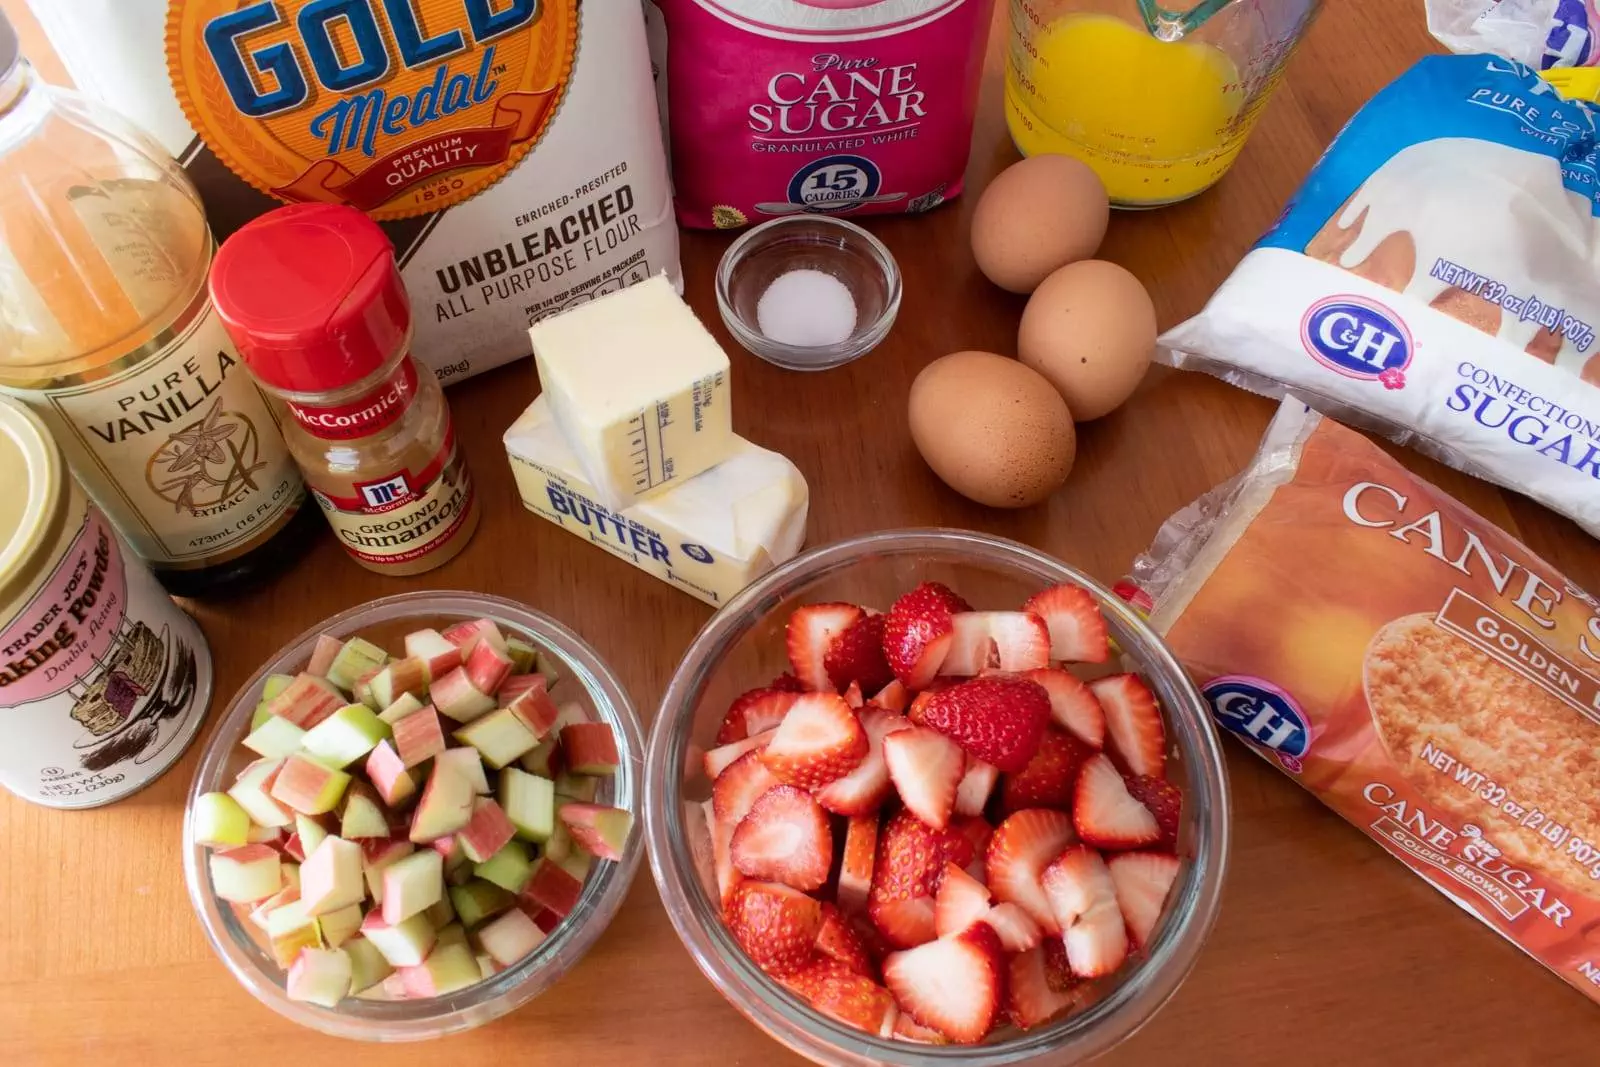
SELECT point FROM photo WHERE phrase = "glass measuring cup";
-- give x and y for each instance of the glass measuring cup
(1158, 101)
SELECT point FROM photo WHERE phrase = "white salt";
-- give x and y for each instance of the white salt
(807, 309)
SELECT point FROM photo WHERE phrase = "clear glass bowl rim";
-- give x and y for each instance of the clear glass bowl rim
(1077, 1039)
(603, 893)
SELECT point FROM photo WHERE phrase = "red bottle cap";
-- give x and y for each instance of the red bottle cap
(311, 296)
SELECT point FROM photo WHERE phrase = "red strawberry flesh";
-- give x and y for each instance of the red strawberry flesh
(925, 767)
(856, 656)
(774, 924)
(954, 985)
(1022, 846)
(785, 838)
(1133, 722)
(1049, 778)
(1073, 705)
(916, 633)
(999, 720)
(820, 740)
(1142, 881)
(1077, 629)
(811, 632)
(1105, 814)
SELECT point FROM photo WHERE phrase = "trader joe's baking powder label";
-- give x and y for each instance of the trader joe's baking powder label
(103, 681)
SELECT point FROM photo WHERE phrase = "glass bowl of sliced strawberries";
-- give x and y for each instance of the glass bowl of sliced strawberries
(931, 796)
(416, 816)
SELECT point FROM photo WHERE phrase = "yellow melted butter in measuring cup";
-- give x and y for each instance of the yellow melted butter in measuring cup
(1158, 120)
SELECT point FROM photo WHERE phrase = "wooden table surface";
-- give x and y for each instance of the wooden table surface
(1327, 951)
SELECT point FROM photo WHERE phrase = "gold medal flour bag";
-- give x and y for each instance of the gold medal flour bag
(1425, 674)
(510, 148)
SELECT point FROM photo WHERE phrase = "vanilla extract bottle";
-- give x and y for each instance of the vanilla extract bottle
(108, 335)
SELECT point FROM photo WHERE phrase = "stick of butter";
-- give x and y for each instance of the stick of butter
(709, 536)
(639, 388)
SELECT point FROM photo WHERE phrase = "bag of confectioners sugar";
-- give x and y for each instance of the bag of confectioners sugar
(511, 149)
(855, 107)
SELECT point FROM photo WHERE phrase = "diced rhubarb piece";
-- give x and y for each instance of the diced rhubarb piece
(560, 843)
(291, 877)
(451, 933)
(545, 919)
(308, 787)
(376, 855)
(346, 735)
(577, 863)
(529, 802)
(478, 900)
(306, 701)
(290, 929)
(500, 737)
(510, 937)
(457, 698)
(340, 926)
(357, 660)
(389, 775)
(319, 976)
(590, 748)
(448, 968)
(517, 684)
(367, 965)
(404, 705)
(275, 738)
(487, 667)
(262, 713)
(330, 878)
(469, 763)
(419, 737)
(309, 832)
(487, 832)
(442, 914)
(361, 816)
(544, 760)
(552, 888)
(486, 965)
(401, 944)
(446, 805)
(602, 831)
(523, 655)
(412, 885)
(258, 914)
(217, 821)
(246, 874)
(466, 635)
(439, 657)
(276, 836)
(457, 867)
(579, 787)
(508, 868)
(534, 708)
(275, 684)
(546, 664)
(252, 792)
(323, 653)
(400, 678)
(295, 848)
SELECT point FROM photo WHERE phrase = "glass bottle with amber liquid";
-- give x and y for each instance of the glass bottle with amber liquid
(108, 334)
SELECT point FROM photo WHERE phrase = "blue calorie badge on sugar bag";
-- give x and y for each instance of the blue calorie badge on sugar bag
(1437, 278)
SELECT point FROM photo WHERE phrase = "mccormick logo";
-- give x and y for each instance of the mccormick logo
(1262, 713)
(1358, 338)
(397, 107)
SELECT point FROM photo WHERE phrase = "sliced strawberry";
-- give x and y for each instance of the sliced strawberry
(838, 940)
(1077, 629)
(728, 876)
(787, 683)
(865, 789)
(977, 832)
(910, 862)
(908, 1029)
(1057, 971)
(785, 838)
(1142, 881)
(855, 872)
(1009, 640)
(999, 720)
(1022, 847)
(853, 697)
(961, 901)
(919, 705)
(752, 713)
(892, 697)
(1164, 802)
(856, 656)
(835, 990)
(972, 648)
(1030, 999)
(811, 633)
(720, 759)
(1105, 813)
(774, 924)
(1133, 722)
(1018, 932)
(916, 632)
(972, 795)
(925, 767)
(904, 923)
(738, 788)
(1083, 899)
(953, 985)
(821, 739)
(1048, 779)
(1073, 705)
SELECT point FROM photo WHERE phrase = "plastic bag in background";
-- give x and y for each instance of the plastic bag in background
(1435, 279)
(1540, 33)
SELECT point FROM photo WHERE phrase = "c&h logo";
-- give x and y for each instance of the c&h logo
(1261, 713)
(1358, 338)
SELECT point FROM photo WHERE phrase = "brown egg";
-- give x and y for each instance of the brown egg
(1037, 216)
(1090, 329)
(993, 430)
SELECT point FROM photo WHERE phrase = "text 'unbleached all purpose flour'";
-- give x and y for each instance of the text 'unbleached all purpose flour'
(510, 148)
(847, 107)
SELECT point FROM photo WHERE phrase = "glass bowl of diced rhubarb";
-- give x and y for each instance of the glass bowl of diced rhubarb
(416, 817)
(934, 797)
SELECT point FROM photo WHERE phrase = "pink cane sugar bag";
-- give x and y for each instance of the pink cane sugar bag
(843, 107)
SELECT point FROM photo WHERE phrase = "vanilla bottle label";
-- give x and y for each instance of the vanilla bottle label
(181, 450)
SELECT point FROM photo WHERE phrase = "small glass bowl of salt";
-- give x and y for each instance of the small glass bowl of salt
(808, 292)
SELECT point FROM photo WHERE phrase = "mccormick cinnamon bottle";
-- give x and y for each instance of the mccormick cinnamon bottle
(313, 300)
